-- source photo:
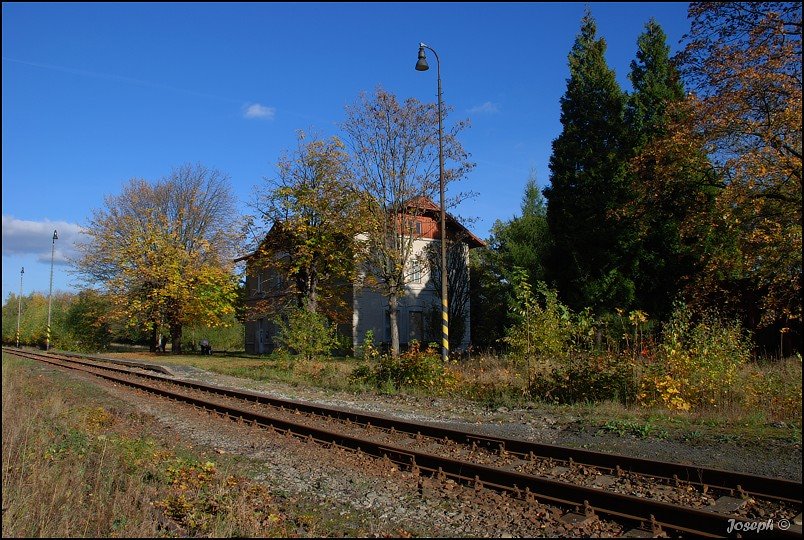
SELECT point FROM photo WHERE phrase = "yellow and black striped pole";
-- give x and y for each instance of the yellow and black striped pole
(19, 307)
(50, 294)
(421, 65)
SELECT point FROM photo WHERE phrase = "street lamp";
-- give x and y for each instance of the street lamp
(421, 65)
(19, 307)
(50, 294)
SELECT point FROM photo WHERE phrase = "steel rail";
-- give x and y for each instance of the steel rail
(627, 507)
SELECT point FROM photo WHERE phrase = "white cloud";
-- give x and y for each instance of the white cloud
(22, 237)
(486, 108)
(255, 110)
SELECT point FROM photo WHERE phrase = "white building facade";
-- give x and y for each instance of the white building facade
(419, 309)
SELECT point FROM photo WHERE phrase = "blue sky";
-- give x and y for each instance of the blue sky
(97, 94)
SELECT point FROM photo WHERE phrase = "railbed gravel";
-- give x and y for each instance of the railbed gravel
(390, 501)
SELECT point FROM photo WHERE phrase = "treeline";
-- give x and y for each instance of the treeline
(82, 322)
(687, 189)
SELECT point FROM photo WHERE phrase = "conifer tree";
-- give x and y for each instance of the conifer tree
(590, 261)
(663, 260)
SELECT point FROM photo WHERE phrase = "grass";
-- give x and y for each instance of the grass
(76, 462)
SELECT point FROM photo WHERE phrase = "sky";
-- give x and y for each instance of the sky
(97, 94)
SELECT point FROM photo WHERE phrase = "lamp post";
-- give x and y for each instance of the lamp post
(50, 294)
(421, 65)
(19, 307)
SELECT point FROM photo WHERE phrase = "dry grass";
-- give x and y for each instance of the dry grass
(76, 470)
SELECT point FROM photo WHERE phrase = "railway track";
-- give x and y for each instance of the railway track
(717, 503)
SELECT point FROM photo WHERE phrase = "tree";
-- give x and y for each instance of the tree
(87, 321)
(743, 61)
(395, 166)
(163, 252)
(457, 287)
(489, 314)
(591, 260)
(663, 196)
(522, 242)
(33, 319)
(311, 209)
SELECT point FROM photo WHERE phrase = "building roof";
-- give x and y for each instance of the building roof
(426, 206)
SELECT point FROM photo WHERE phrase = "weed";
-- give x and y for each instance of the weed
(634, 429)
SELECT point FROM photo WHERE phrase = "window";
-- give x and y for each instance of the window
(415, 271)
(413, 227)
(259, 282)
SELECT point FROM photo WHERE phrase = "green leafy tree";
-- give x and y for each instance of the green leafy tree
(488, 290)
(523, 242)
(88, 322)
(306, 333)
(33, 319)
(591, 260)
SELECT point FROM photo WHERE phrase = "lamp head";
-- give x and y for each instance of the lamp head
(421, 65)
(55, 235)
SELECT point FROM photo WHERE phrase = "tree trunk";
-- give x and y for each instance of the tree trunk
(306, 284)
(312, 297)
(393, 304)
(154, 341)
(175, 338)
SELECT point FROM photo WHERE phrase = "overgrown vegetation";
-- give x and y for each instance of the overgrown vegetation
(78, 464)
(306, 333)
(73, 467)
(415, 368)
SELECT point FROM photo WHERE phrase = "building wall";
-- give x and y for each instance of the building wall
(369, 309)
(417, 307)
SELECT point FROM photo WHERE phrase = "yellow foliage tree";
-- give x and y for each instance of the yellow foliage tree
(743, 59)
(163, 252)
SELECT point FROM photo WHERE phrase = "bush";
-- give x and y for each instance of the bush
(306, 333)
(699, 362)
(413, 368)
(369, 351)
(587, 377)
(542, 328)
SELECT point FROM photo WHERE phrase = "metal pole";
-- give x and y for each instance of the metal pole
(50, 294)
(19, 307)
(444, 269)
(421, 65)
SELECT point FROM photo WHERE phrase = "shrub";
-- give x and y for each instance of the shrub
(699, 362)
(369, 351)
(306, 333)
(587, 377)
(543, 328)
(413, 368)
